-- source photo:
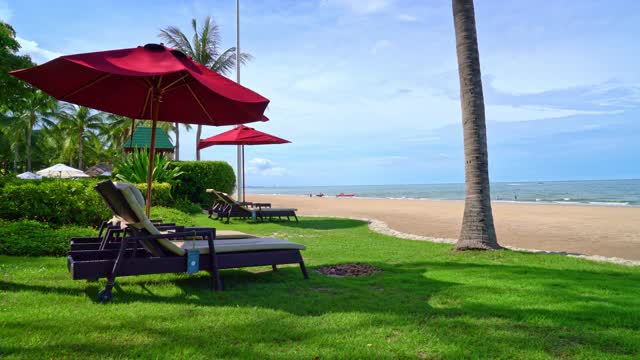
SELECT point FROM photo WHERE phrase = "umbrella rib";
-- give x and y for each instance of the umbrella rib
(83, 87)
(199, 103)
(146, 102)
(173, 83)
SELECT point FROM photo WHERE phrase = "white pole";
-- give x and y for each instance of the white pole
(240, 164)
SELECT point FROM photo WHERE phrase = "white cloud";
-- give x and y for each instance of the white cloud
(38, 54)
(406, 18)
(361, 7)
(265, 167)
(380, 45)
(508, 113)
(5, 12)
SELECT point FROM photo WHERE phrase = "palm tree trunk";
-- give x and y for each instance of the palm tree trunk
(15, 159)
(29, 131)
(198, 134)
(80, 163)
(177, 151)
(478, 231)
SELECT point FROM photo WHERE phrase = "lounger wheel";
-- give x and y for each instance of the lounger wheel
(105, 296)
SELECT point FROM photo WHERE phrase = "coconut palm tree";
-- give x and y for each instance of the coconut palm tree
(36, 109)
(77, 122)
(205, 49)
(478, 231)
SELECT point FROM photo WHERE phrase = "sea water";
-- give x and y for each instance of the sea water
(592, 192)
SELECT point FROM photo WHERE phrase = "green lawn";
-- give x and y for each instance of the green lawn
(428, 303)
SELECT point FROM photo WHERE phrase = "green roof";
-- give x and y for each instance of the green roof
(142, 139)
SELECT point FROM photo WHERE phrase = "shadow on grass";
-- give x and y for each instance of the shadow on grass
(501, 309)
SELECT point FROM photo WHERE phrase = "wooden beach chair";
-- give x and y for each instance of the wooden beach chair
(110, 229)
(143, 249)
(235, 209)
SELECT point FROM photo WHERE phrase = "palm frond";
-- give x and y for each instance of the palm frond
(227, 61)
(177, 40)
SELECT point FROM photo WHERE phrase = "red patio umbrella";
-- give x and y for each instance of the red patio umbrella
(241, 135)
(148, 82)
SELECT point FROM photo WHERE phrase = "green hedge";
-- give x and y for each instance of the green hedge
(56, 202)
(32, 238)
(199, 176)
(160, 194)
(65, 202)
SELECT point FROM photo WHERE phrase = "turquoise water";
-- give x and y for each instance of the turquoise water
(595, 192)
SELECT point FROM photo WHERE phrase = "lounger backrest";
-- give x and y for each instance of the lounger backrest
(124, 203)
(216, 196)
(116, 201)
(226, 198)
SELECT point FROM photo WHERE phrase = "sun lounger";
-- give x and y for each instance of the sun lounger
(143, 249)
(235, 209)
(103, 240)
(222, 203)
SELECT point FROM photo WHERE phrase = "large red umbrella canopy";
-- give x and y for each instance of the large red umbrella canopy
(128, 81)
(148, 82)
(241, 135)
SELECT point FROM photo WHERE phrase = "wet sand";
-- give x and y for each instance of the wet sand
(590, 230)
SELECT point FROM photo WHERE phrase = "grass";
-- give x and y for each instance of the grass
(429, 303)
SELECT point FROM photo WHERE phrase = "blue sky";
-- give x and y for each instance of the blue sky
(367, 90)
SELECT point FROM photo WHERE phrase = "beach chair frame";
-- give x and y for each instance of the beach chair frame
(138, 253)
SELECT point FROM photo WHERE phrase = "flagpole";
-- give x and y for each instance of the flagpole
(240, 164)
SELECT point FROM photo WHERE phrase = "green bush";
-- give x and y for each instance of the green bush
(56, 202)
(32, 238)
(198, 176)
(160, 193)
(172, 216)
(187, 206)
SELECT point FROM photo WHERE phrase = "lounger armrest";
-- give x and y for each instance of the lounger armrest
(182, 234)
(208, 233)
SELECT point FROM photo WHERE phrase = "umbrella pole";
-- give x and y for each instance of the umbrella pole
(243, 184)
(152, 154)
(133, 128)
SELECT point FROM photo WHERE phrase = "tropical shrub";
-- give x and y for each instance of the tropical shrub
(56, 202)
(187, 206)
(160, 193)
(135, 168)
(198, 176)
(33, 238)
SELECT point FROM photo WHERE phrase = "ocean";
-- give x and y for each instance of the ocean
(593, 192)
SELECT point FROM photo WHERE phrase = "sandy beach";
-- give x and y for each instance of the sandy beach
(590, 230)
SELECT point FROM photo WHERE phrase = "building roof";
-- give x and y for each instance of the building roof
(142, 139)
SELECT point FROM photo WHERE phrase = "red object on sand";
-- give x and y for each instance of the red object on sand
(241, 135)
(345, 195)
(148, 82)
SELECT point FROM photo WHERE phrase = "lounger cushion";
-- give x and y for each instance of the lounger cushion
(136, 192)
(239, 245)
(145, 223)
(232, 234)
(129, 194)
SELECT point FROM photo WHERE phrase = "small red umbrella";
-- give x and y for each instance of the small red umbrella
(148, 82)
(241, 135)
